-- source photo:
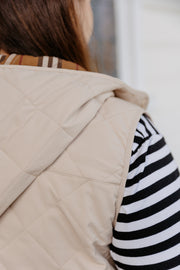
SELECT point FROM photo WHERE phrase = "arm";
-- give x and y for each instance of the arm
(146, 235)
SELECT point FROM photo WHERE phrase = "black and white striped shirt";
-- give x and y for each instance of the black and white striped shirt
(147, 232)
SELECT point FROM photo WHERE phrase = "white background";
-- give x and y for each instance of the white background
(148, 58)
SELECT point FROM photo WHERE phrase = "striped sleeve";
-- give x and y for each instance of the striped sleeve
(147, 232)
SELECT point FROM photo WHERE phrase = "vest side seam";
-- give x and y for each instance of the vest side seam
(126, 161)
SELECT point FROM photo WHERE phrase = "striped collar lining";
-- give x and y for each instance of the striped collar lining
(39, 61)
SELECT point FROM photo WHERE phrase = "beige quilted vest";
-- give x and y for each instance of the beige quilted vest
(65, 146)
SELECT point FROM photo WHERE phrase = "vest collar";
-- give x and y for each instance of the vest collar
(39, 61)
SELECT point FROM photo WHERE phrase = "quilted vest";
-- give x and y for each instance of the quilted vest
(65, 144)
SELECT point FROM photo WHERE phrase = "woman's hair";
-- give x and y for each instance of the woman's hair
(43, 27)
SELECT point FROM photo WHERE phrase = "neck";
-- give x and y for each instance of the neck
(3, 52)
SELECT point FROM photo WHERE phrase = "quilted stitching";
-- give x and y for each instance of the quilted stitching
(72, 202)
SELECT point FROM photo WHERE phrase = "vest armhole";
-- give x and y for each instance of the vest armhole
(127, 156)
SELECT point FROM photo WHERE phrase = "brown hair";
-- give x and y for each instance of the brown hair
(43, 27)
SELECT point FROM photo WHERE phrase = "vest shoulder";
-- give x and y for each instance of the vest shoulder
(102, 151)
(115, 106)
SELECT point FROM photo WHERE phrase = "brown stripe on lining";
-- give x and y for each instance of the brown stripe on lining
(2, 59)
(40, 61)
(59, 65)
(50, 61)
(20, 60)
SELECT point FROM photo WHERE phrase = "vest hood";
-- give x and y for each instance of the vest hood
(42, 111)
